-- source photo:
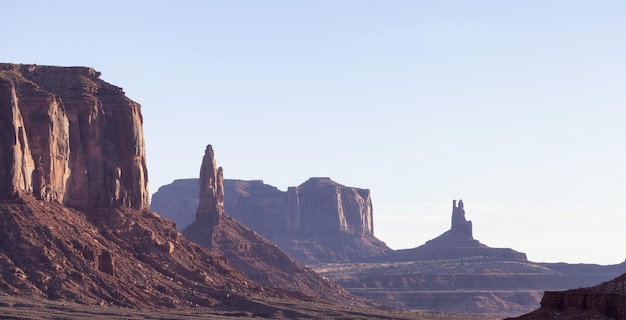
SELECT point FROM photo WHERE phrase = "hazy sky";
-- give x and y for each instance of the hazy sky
(516, 107)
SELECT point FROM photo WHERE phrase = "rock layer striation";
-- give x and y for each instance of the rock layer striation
(71, 138)
(604, 301)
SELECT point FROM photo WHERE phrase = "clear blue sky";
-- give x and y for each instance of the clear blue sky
(517, 107)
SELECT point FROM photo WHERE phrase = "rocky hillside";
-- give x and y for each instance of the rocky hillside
(244, 249)
(318, 221)
(604, 301)
(74, 218)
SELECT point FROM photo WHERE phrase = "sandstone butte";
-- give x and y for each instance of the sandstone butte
(317, 221)
(75, 223)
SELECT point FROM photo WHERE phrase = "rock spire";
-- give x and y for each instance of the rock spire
(460, 225)
(211, 196)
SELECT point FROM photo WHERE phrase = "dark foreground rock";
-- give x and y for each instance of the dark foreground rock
(604, 301)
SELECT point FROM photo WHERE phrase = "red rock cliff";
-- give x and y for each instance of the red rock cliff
(69, 137)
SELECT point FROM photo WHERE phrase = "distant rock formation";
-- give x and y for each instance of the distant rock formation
(71, 138)
(178, 201)
(456, 243)
(604, 301)
(320, 220)
(461, 228)
(244, 249)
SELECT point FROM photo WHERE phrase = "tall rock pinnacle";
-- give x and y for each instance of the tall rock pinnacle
(211, 205)
(459, 224)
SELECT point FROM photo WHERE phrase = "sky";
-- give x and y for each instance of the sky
(516, 107)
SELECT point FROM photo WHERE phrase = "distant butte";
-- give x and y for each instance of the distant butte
(318, 221)
(458, 242)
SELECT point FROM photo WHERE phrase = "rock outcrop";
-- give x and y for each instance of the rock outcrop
(211, 197)
(246, 250)
(71, 138)
(320, 205)
(318, 221)
(604, 301)
(74, 218)
(458, 242)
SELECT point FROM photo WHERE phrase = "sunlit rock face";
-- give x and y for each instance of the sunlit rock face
(68, 136)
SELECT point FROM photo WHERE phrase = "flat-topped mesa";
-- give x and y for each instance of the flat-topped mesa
(67, 136)
(211, 196)
(459, 224)
(321, 205)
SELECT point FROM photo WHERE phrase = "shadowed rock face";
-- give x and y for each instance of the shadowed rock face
(460, 227)
(69, 137)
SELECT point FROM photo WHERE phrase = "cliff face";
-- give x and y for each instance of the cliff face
(69, 137)
(321, 205)
(318, 206)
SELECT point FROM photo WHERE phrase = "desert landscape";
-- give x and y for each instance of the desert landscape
(347, 159)
(79, 239)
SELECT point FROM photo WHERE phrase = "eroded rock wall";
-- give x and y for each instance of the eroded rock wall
(321, 205)
(70, 137)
